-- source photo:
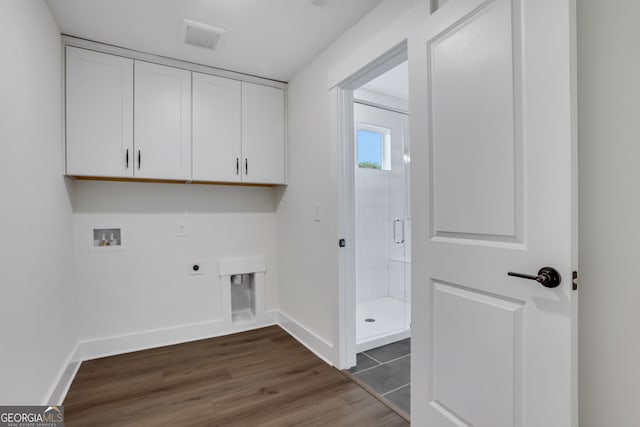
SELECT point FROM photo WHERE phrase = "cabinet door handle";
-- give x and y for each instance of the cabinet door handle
(139, 159)
(127, 160)
(246, 166)
(237, 165)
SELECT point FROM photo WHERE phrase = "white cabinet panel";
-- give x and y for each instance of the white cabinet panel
(162, 122)
(99, 114)
(217, 117)
(127, 118)
(263, 134)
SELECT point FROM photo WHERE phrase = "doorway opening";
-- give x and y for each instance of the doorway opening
(374, 162)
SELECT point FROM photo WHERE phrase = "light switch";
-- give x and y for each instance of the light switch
(316, 213)
(182, 229)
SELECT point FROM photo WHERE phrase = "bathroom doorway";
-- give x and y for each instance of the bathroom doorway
(382, 235)
(379, 91)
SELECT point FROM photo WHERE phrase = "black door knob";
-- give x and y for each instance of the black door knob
(547, 277)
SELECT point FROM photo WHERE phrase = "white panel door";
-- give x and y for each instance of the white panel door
(217, 127)
(99, 114)
(493, 191)
(263, 134)
(162, 122)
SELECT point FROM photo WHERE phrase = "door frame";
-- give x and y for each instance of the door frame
(342, 130)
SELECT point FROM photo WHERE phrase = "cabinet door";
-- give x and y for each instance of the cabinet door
(216, 128)
(99, 114)
(263, 134)
(162, 122)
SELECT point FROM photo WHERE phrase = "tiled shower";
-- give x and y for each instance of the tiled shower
(383, 227)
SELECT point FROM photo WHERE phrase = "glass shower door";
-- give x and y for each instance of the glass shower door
(400, 242)
(382, 226)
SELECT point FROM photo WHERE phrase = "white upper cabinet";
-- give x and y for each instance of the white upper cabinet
(263, 134)
(99, 114)
(217, 131)
(238, 131)
(162, 122)
(127, 118)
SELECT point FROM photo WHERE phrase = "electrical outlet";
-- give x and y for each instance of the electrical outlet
(316, 213)
(196, 268)
(181, 231)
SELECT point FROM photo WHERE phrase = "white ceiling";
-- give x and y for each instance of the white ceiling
(394, 82)
(267, 38)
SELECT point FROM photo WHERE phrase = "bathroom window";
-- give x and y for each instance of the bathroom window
(373, 148)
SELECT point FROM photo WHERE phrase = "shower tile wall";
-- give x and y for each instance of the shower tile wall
(399, 280)
(373, 233)
(381, 264)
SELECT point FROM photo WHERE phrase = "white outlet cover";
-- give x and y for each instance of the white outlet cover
(200, 271)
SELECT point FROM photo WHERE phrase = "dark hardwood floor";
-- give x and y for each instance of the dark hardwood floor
(257, 378)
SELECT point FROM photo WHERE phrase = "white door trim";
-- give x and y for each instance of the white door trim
(341, 112)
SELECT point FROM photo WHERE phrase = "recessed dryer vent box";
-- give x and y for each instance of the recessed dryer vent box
(243, 297)
(243, 278)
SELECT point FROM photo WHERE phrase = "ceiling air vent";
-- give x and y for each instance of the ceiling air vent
(201, 35)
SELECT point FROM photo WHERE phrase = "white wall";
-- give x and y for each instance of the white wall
(609, 144)
(308, 250)
(37, 317)
(146, 287)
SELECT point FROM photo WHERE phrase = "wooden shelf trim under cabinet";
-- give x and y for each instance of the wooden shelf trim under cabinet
(171, 181)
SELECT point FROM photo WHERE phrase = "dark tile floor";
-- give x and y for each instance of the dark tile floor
(387, 370)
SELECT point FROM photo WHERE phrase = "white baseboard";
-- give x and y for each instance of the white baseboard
(111, 346)
(313, 342)
(60, 388)
(121, 344)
